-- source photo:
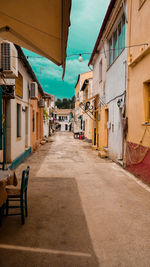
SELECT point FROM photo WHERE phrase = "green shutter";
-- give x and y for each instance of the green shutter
(18, 126)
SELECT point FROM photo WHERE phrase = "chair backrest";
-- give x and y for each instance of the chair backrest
(24, 182)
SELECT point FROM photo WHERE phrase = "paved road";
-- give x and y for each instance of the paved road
(83, 211)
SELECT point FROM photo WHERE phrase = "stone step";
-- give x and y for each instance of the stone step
(106, 149)
(94, 147)
(103, 154)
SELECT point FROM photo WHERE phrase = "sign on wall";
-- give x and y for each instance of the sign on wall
(19, 85)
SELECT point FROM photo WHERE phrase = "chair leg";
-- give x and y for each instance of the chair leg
(22, 211)
(1, 215)
(26, 207)
(7, 206)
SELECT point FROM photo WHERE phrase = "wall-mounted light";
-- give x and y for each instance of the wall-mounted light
(24, 109)
(119, 102)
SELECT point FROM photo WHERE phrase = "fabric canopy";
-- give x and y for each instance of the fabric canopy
(40, 26)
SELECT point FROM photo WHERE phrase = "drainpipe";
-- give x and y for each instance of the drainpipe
(128, 70)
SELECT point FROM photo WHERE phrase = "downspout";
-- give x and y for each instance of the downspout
(124, 116)
(128, 72)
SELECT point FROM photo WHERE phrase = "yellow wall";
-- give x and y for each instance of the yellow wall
(81, 78)
(138, 72)
(103, 132)
(87, 116)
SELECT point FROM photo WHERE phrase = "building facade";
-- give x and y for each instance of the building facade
(18, 104)
(87, 112)
(63, 119)
(79, 123)
(138, 89)
(109, 59)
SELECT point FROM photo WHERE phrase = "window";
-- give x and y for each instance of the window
(100, 71)
(110, 52)
(115, 45)
(37, 126)
(123, 32)
(117, 41)
(33, 121)
(83, 125)
(18, 120)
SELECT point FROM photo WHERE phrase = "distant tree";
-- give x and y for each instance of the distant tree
(58, 103)
(65, 103)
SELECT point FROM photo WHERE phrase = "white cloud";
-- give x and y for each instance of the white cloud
(50, 71)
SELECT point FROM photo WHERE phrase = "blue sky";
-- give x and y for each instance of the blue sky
(86, 19)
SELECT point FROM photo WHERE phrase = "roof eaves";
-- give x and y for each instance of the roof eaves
(77, 80)
(46, 95)
(108, 13)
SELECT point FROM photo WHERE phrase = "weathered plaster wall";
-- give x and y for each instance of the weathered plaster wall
(17, 145)
(139, 74)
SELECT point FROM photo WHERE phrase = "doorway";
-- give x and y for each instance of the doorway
(94, 136)
(37, 126)
(26, 127)
(106, 127)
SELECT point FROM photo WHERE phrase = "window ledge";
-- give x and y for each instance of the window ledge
(115, 60)
(18, 138)
(140, 57)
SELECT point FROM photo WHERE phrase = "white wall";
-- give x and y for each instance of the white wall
(98, 86)
(86, 118)
(18, 145)
(46, 122)
(115, 86)
(63, 123)
(111, 86)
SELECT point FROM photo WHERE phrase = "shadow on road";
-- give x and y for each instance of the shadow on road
(55, 232)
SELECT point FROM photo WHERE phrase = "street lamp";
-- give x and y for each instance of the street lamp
(80, 58)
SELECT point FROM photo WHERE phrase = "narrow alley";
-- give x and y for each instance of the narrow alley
(83, 211)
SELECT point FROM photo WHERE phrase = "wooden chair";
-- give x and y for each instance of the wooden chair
(2, 212)
(18, 194)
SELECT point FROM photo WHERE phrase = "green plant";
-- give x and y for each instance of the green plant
(45, 113)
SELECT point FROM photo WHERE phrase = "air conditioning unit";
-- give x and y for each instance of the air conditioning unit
(9, 60)
(41, 103)
(34, 90)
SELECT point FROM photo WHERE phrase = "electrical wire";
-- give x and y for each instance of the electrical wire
(109, 50)
(84, 53)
